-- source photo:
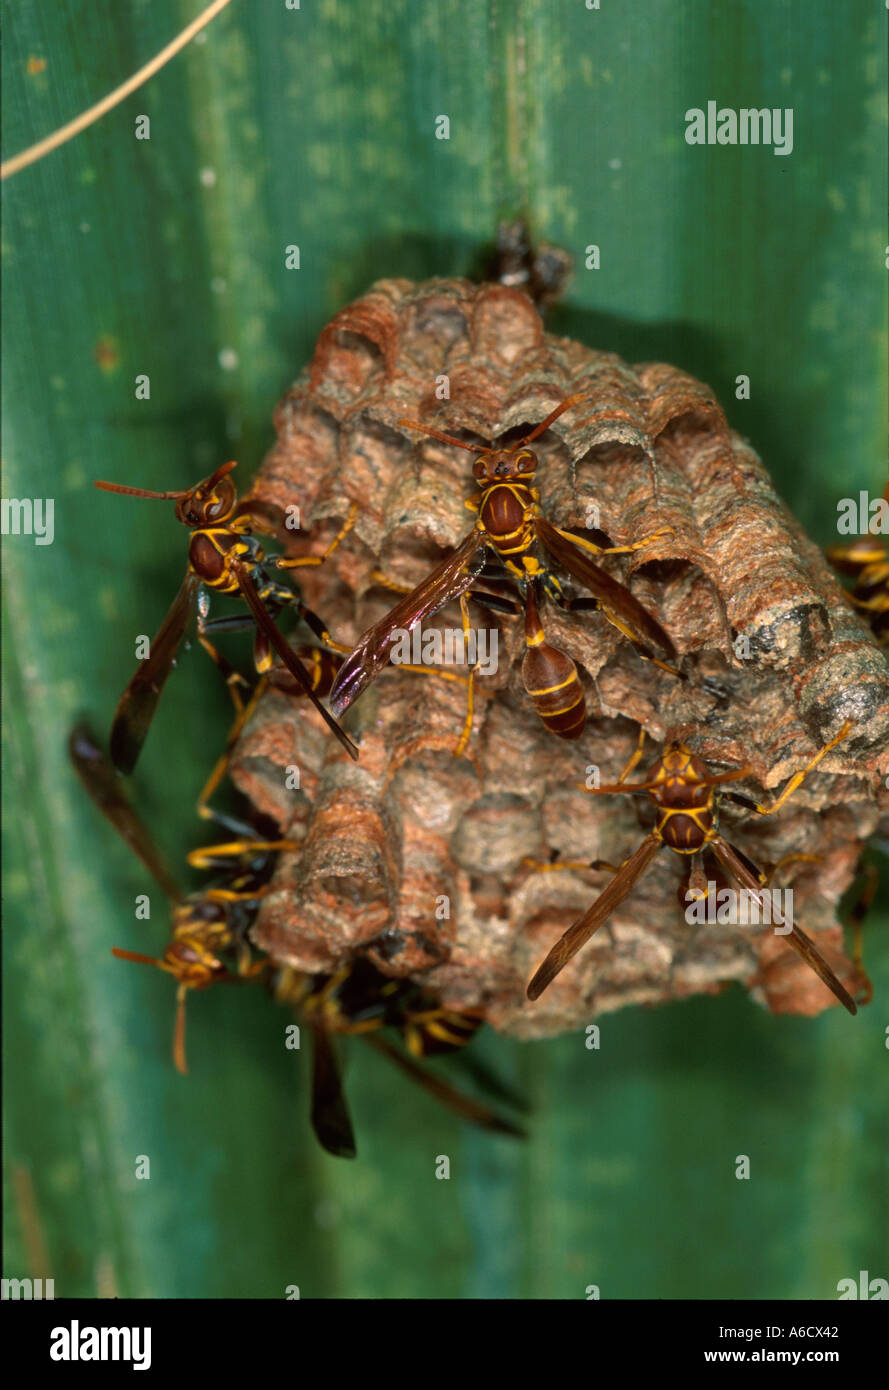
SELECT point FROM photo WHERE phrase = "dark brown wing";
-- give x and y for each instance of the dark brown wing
(463, 1105)
(614, 596)
(287, 654)
(579, 934)
(447, 581)
(133, 716)
(330, 1114)
(106, 789)
(802, 944)
(488, 1081)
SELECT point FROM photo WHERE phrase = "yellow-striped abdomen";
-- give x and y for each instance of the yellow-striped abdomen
(551, 677)
(552, 681)
(439, 1030)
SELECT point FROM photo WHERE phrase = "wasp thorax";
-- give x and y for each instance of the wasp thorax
(680, 780)
(686, 833)
(208, 503)
(681, 791)
(199, 909)
(503, 465)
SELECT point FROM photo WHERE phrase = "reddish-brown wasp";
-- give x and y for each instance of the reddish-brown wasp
(866, 561)
(523, 543)
(209, 939)
(209, 945)
(686, 800)
(541, 269)
(223, 557)
(360, 1001)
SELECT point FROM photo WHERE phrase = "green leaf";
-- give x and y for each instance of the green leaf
(166, 257)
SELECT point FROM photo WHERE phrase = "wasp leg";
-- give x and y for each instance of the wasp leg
(233, 679)
(576, 865)
(798, 777)
(615, 549)
(242, 717)
(301, 560)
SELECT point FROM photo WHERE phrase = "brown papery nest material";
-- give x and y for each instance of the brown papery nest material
(417, 857)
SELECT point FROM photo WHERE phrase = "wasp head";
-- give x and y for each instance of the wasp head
(504, 466)
(210, 501)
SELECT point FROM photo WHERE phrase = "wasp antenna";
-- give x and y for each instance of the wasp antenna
(545, 424)
(444, 438)
(139, 491)
(137, 957)
(221, 472)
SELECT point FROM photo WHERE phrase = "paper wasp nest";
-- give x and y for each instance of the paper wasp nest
(417, 856)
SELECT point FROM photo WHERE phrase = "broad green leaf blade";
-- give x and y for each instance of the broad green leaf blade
(165, 257)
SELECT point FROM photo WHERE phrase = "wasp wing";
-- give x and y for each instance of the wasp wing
(579, 934)
(488, 1080)
(465, 1106)
(330, 1113)
(287, 654)
(732, 862)
(614, 597)
(447, 581)
(134, 713)
(104, 786)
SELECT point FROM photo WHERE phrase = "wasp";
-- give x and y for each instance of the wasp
(358, 1000)
(208, 944)
(223, 558)
(523, 544)
(866, 561)
(542, 270)
(685, 795)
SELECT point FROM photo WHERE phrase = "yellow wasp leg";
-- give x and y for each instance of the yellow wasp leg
(615, 549)
(242, 717)
(798, 777)
(297, 561)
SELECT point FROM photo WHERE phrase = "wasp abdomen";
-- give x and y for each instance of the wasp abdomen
(440, 1030)
(553, 684)
(321, 668)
